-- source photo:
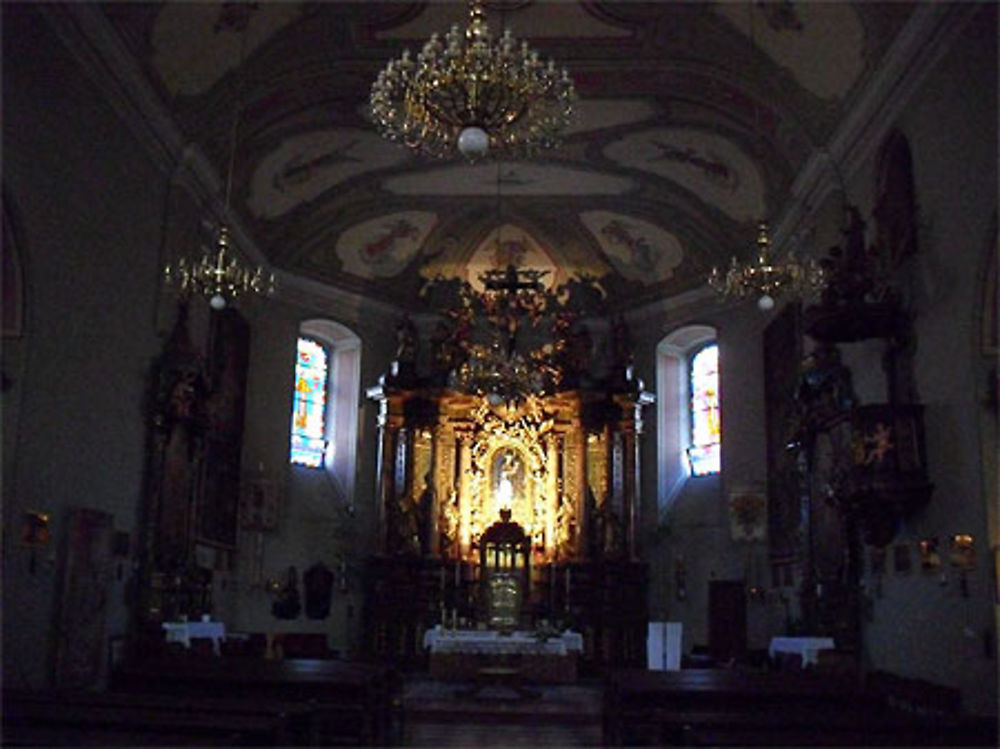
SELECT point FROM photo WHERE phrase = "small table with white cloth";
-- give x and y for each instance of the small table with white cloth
(182, 632)
(459, 655)
(807, 648)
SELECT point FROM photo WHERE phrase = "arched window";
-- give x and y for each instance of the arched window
(309, 404)
(675, 356)
(703, 407)
(326, 388)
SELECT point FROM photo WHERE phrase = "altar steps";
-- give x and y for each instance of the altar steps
(458, 714)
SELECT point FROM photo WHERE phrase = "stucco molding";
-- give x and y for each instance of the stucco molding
(353, 309)
(114, 71)
(928, 35)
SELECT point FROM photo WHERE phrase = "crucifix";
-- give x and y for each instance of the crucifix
(510, 281)
(512, 278)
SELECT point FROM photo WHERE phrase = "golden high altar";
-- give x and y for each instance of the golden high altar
(509, 505)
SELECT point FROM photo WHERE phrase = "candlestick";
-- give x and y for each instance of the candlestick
(458, 568)
(441, 577)
(552, 588)
(567, 585)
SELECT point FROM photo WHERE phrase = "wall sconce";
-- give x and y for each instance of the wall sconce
(963, 556)
(35, 534)
(963, 552)
(342, 575)
(680, 579)
(930, 557)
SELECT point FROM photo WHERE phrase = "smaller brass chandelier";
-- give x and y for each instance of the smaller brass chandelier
(471, 94)
(767, 278)
(219, 275)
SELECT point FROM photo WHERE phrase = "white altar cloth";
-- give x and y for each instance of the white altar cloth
(182, 632)
(806, 647)
(490, 642)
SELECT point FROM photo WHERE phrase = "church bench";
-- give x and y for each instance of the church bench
(882, 730)
(914, 695)
(653, 706)
(734, 708)
(834, 727)
(34, 734)
(28, 720)
(350, 703)
(293, 721)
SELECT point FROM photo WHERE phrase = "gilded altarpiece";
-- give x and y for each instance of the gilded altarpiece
(565, 468)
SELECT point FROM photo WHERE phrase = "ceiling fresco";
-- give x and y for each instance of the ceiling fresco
(693, 121)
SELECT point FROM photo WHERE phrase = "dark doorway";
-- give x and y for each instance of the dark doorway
(727, 619)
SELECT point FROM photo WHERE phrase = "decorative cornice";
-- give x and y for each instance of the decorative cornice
(342, 305)
(110, 66)
(916, 51)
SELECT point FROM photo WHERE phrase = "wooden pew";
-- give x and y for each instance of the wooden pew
(914, 695)
(879, 730)
(661, 707)
(351, 703)
(284, 722)
(41, 719)
(720, 707)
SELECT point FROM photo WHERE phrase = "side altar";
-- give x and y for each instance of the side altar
(508, 489)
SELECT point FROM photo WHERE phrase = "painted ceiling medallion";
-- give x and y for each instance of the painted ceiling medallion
(637, 249)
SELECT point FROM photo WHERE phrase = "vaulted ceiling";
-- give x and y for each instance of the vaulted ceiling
(693, 122)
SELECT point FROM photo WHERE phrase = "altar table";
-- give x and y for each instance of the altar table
(182, 632)
(807, 648)
(460, 655)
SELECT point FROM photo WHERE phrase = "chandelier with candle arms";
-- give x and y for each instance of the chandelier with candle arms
(767, 278)
(471, 93)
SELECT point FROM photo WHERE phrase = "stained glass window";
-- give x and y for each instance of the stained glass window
(706, 433)
(309, 404)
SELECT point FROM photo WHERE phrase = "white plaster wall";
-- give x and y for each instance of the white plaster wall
(316, 523)
(922, 625)
(694, 526)
(90, 238)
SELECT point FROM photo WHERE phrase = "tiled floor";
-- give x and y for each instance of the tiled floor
(455, 715)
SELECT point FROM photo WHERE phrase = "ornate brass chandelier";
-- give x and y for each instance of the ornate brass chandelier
(767, 278)
(219, 275)
(469, 93)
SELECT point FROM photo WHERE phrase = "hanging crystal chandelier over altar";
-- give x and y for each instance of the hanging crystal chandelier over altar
(471, 94)
(767, 278)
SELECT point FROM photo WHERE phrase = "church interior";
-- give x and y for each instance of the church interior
(500, 372)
